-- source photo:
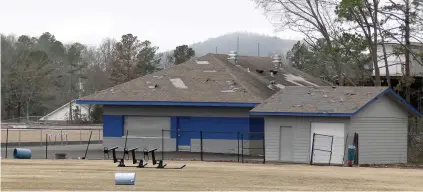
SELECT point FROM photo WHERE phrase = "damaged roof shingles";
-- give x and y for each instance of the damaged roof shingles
(319, 99)
(265, 64)
(201, 86)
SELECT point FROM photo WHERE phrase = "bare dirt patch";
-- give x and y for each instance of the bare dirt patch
(98, 175)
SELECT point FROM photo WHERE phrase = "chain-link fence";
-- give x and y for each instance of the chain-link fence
(213, 146)
(37, 136)
(415, 140)
(170, 145)
(194, 145)
(56, 140)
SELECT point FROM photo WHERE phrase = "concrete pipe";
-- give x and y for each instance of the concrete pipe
(20, 153)
(124, 178)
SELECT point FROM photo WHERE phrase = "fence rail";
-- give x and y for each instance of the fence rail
(34, 136)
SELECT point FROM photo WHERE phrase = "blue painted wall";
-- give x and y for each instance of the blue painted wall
(113, 126)
(216, 128)
(190, 127)
(256, 128)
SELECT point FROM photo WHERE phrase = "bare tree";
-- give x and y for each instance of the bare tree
(364, 13)
(406, 16)
(313, 18)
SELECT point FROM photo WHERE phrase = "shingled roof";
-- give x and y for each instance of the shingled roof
(286, 75)
(210, 78)
(338, 101)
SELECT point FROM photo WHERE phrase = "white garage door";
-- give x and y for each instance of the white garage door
(139, 126)
(324, 143)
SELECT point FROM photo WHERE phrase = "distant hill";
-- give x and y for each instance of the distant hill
(247, 45)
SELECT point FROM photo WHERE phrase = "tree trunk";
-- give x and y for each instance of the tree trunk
(339, 70)
(407, 50)
(19, 111)
(27, 111)
(374, 47)
(388, 76)
(8, 112)
(70, 111)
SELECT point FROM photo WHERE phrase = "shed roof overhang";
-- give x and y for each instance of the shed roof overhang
(409, 108)
(169, 103)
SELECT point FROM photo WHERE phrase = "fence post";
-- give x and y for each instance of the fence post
(264, 148)
(99, 138)
(331, 144)
(242, 148)
(162, 144)
(19, 138)
(312, 150)
(61, 136)
(41, 137)
(238, 146)
(80, 136)
(7, 139)
(46, 146)
(201, 145)
(358, 149)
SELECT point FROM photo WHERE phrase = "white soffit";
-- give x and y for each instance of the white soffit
(178, 83)
(202, 62)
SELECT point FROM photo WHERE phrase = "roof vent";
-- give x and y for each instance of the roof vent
(260, 71)
(153, 86)
(233, 57)
(277, 60)
(273, 72)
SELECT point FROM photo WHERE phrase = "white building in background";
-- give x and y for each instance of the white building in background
(62, 113)
(396, 62)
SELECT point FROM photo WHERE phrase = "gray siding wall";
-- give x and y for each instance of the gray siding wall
(227, 146)
(301, 133)
(382, 129)
(209, 145)
(148, 143)
(177, 111)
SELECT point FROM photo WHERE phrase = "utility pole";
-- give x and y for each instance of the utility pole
(237, 45)
(27, 111)
(258, 49)
(216, 49)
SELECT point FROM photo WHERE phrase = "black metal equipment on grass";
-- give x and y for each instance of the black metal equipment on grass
(107, 150)
(142, 162)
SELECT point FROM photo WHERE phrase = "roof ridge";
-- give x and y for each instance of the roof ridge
(229, 71)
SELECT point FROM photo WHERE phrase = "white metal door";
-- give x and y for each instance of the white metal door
(321, 142)
(285, 143)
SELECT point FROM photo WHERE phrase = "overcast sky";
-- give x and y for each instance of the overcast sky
(166, 23)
